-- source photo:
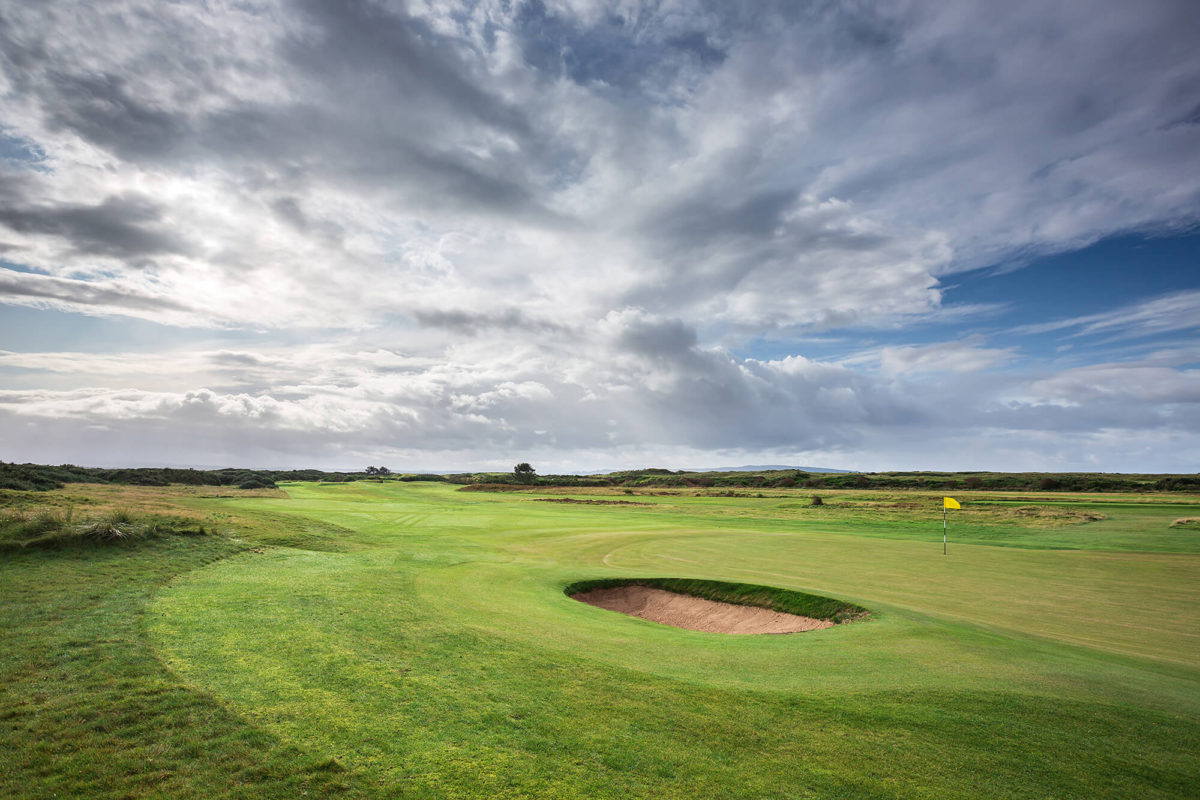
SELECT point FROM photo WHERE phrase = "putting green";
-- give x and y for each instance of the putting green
(435, 654)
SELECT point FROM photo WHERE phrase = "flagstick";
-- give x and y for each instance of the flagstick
(943, 527)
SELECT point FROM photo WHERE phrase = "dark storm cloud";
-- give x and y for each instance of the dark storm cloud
(290, 210)
(668, 388)
(103, 110)
(126, 226)
(387, 103)
(667, 340)
(472, 323)
(699, 220)
(394, 57)
(712, 242)
(378, 99)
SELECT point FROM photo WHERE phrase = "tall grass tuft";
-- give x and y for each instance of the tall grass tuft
(53, 528)
(117, 525)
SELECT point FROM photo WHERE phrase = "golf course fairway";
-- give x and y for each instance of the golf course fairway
(429, 650)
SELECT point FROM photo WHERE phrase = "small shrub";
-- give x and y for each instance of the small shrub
(817, 501)
(256, 482)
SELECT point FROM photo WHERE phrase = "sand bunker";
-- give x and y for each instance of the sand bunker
(696, 613)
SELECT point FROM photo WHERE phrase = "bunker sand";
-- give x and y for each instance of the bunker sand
(696, 613)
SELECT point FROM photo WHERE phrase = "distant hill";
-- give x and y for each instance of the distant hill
(767, 467)
(751, 468)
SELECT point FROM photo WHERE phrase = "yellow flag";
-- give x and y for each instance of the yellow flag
(950, 502)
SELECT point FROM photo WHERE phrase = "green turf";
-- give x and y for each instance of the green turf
(410, 640)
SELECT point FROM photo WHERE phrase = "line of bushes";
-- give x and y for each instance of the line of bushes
(787, 479)
(39, 477)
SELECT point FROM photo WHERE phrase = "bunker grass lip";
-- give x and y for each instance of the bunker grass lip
(716, 606)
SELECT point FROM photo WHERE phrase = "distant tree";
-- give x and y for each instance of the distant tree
(372, 470)
(383, 471)
(524, 473)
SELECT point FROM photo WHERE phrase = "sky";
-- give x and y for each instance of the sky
(601, 235)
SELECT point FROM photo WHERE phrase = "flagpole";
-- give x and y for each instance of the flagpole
(943, 527)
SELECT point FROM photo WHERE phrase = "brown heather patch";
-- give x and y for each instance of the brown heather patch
(1055, 513)
(93, 500)
(588, 502)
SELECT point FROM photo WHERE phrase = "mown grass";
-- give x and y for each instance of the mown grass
(87, 710)
(1025, 520)
(407, 640)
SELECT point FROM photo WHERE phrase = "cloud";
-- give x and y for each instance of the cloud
(963, 356)
(774, 167)
(112, 297)
(1177, 311)
(472, 322)
(643, 386)
(490, 227)
(123, 227)
(1126, 383)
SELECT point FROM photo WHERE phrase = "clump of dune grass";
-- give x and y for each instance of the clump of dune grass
(18, 526)
(49, 528)
(118, 525)
(1186, 522)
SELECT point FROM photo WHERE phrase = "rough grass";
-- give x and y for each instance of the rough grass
(742, 594)
(59, 527)
(88, 711)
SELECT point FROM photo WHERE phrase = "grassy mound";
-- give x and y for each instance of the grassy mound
(742, 594)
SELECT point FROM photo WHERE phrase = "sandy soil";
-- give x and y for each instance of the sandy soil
(695, 613)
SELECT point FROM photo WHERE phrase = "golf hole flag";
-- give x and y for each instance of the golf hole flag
(947, 502)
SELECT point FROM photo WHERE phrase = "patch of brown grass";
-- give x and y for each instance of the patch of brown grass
(588, 502)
